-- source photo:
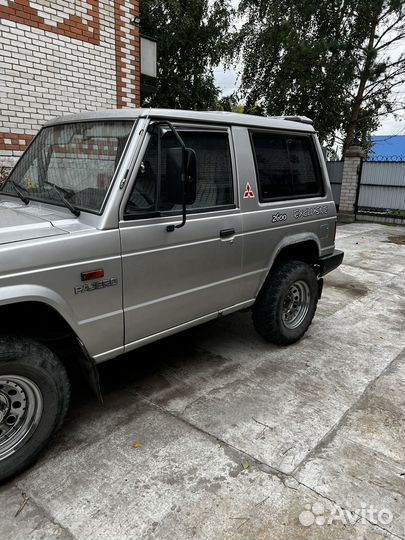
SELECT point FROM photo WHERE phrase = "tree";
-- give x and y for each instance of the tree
(378, 74)
(323, 58)
(192, 38)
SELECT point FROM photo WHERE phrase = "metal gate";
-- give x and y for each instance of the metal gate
(335, 171)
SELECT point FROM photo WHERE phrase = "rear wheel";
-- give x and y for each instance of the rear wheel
(34, 397)
(287, 303)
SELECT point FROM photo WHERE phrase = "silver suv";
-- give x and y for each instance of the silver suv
(123, 227)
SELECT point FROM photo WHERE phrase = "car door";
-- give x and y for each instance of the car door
(172, 279)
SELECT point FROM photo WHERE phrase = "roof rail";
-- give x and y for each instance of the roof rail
(302, 119)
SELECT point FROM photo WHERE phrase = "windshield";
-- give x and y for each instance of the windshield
(77, 160)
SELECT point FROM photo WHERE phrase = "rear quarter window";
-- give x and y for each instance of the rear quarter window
(286, 166)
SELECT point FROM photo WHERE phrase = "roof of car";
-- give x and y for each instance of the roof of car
(296, 123)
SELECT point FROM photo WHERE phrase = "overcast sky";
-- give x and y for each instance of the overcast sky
(227, 80)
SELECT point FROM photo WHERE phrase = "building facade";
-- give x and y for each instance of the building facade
(64, 57)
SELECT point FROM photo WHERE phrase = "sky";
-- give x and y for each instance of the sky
(227, 80)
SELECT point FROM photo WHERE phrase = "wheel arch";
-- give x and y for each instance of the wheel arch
(40, 320)
(302, 247)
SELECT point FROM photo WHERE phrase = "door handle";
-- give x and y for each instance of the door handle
(226, 233)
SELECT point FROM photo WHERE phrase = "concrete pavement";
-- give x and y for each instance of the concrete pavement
(215, 434)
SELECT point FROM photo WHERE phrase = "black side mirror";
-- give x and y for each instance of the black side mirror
(181, 175)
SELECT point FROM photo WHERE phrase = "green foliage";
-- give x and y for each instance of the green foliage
(192, 38)
(231, 103)
(324, 59)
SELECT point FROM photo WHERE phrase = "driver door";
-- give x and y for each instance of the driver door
(172, 279)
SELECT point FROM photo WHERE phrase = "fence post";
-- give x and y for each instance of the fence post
(353, 158)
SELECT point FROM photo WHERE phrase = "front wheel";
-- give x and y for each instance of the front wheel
(34, 397)
(287, 302)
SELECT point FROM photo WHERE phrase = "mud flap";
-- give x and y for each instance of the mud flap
(320, 287)
(90, 371)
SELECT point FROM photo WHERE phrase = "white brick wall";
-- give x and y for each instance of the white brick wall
(349, 184)
(44, 74)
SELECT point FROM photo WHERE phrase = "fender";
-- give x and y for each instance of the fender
(13, 294)
(290, 240)
(36, 293)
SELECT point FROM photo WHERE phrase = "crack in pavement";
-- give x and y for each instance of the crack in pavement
(273, 471)
(329, 436)
(44, 515)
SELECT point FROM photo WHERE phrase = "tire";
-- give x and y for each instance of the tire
(286, 305)
(34, 398)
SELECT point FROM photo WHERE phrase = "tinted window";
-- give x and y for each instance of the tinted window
(273, 166)
(285, 166)
(305, 177)
(214, 173)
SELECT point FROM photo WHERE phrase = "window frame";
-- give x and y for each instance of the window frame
(182, 127)
(314, 158)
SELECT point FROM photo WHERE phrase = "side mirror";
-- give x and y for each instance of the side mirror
(176, 170)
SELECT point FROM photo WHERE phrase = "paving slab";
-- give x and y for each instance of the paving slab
(21, 517)
(361, 463)
(180, 483)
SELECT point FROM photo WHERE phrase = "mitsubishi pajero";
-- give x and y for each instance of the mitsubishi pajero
(120, 228)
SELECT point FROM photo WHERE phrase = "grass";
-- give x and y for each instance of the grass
(383, 212)
(396, 213)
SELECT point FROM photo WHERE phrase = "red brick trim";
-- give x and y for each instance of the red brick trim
(121, 25)
(137, 53)
(21, 11)
(119, 65)
(14, 141)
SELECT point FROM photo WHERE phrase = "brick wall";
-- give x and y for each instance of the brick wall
(349, 186)
(63, 57)
(350, 179)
